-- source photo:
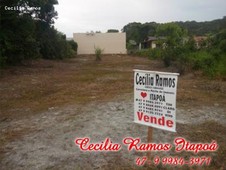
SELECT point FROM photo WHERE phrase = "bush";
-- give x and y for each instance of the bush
(202, 59)
(73, 45)
(170, 55)
(221, 67)
(143, 52)
(53, 44)
(98, 52)
(150, 53)
(211, 59)
(155, 53)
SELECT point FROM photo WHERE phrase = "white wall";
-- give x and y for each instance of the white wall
(111, 43)
(153, 45)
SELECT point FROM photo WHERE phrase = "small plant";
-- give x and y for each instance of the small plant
(98, 53)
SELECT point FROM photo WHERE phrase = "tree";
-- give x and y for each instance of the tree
(132, 31)
(29, 33)
(138, 32)
(173, 33)
(73, 45)
(112, 31)
(203, 28)
(17, 36)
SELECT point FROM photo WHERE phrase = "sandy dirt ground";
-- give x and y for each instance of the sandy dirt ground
(41, 136)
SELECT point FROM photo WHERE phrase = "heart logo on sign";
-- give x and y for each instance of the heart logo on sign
(143, 94)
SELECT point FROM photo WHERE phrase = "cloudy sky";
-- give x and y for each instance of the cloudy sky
(101, 15)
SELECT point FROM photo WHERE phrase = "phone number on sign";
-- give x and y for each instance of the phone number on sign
(176, 161)
(181, 161)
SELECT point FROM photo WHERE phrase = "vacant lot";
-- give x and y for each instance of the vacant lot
(45, 105)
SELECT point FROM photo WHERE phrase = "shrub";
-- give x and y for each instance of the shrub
(150, 53)
(221, 67)
(73, 45)
(155, 53)
(98, 53)
(202, 59)
(143, 52)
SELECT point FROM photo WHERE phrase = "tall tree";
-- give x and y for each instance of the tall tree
(17, 32)
(138, 32)
(28, 32)
(173, 33)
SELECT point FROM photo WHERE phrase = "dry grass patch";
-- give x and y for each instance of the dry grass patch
(46, 84)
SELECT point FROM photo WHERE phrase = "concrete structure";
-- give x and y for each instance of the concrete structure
(110, 43)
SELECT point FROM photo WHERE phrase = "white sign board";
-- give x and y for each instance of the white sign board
(155, 99)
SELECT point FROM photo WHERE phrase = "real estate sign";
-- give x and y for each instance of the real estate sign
(155, 99)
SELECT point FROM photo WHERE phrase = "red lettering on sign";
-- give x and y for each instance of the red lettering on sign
(152, 119)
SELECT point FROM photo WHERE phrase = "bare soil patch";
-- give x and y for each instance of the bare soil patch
(45, 105)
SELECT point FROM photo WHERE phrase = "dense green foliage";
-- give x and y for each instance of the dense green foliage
(173, 33)
(112, 31)
(138, 32)
(180, 48)
(203, 28)
(211, 57)
(28, 34)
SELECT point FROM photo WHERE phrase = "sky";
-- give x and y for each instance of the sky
(81, 16)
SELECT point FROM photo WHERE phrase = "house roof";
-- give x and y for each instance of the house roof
(200, 38)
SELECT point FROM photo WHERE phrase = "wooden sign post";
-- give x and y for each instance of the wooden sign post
(149, 140)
